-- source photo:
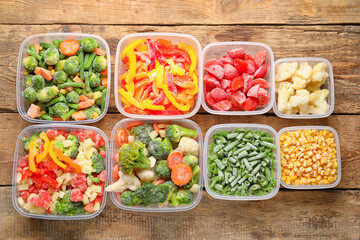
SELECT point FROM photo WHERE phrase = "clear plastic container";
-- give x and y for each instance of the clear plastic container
(229, 127)
(111, 164)
(19, 153)
(173, 37)
(23, 106)
(329, 85)
(338, 156)
(216, 50)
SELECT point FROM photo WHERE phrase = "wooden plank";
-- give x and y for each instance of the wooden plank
(289, 215)
(346, 126)
(181, 12)
(325, 41)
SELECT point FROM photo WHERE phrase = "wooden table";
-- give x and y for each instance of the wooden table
(328, 29)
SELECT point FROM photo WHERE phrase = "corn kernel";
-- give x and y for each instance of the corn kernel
(50, 67)
(63, 91)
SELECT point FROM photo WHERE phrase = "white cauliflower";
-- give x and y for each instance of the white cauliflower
(313, 86)
(304, 71)
(318, 103)
(285, 71)
(146, 175)
(319, 74)
(125, 182)
(152, 161)
(188, 146)
(301, 97)
(298, 83)
(284, 93)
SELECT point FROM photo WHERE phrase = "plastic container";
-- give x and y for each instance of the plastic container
(173, 37)
(229, 127)
(338, 156)
(19, 153)
(216, 50)
(329, 84)
(111, 164)
(23, 106)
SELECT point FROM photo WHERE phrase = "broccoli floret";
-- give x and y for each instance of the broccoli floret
(194, 178)
(160, 149)
(175, 132)
(191, 160)
(67, 207)
(184, 196)
(150, 193)
(71, 150)
(141, 133)
(129, 198)
(94, 179)
(162, 169)
(33, 137)
(171, 197)
(132, 156)
(98, 163)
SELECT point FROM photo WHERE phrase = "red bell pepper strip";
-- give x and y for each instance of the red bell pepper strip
(151, 50)
(171, 84)
(166, 112)
(158, 99)
(158, 53)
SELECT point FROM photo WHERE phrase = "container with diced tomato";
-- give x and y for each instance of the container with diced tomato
(238, 78)
(60, 172)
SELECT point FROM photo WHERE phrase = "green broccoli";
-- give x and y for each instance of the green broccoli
(184, 196)
(141, 133)
(30, 95)
(98, 163)
(30, 63)
(162, 169)
(175, 132)
(94, 179)
(68, 207)
(33, 137)
(171, 197)
(191, 160)
(194, 178)
(92, 112)
(132, 156)
(71, 150)
(160, 149)
(129, 198)
(149, 193)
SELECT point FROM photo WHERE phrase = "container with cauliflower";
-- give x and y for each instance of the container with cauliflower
(304, 88)
(156, 166)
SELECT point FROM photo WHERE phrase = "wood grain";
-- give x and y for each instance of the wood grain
(345, 126)
(326, 41)
(181, 12)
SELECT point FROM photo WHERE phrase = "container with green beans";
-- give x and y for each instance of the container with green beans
(242, 162)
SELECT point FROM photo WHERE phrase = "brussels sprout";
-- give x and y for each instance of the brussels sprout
(89, 44)
(51, 56)
(71, 67)
(30, 63)
(74, 58)
(59, 109)
(72, 97)
(100, 63)
(47, 93)
(60, 65)
(30, 95)
(38, 82)
(94, 80)
(60, 77)
(28, 80)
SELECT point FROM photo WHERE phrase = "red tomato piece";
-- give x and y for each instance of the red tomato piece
(259, 58)
(216, 70)
(62, 131)
(92, 134)
(225, 84)
(33, 189)
(218, 94)
(51, 134)
(24, 161)
(237, 98)
(24, 194)
(89, 207)
(214, 62)
(261, 71)
(250, 104)
(78, 180)
(76, 195)
(224, 105)
(230, 72)
(211, 81)
(43, 199)
(102, 185)
(262, 82)
(249, 57)
(248, 82)
(102, 153)
(250, 67)
(237, 83)
(253, 91)
(263, 96)
(240, 65)
(99, 141)
(226, 60)
(102, 176)
(237, 53)
(209, 99)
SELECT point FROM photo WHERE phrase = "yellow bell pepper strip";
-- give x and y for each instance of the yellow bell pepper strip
(173, 101)
(132, 71)
(32, 153)
(67, 159)
(43, 155)
(125, 101)
(191, 53)
(53, 156)
(175, 69)
(147, 104)
(159, 75)
(196, 87)
(123, 77)
(142, 47)
(130, 99)
(131, 46)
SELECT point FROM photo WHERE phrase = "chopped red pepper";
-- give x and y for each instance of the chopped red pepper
(151, 50)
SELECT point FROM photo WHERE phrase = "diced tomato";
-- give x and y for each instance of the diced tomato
(237, 53)
(216, 70)
(261, 71)
(250, 67)
(62, 131)
(102, 153)
(98, 199)
(68, 168)
(33, 189)
(24, 162)
(249, 57)
(92, 135)
(47, 179)
(214, 62)
(89, 207)
(259, 58)
(248, 82)
(237, 98)
(250, 104)
(237, 83)
(222, 105)
(230, 72)
(240, 65)
(211, 81)
(263, 96)
(262, 82)
(209, 99)
(218, 94)
(51, 174)
(102, 176)
(225, 84)
(253, 91)
(52, 134)
(82, 135)
(78, 180)
(76, 195)
(99, 141)
(226, 60)
(24, 194)
(43, 200)
(52, 166)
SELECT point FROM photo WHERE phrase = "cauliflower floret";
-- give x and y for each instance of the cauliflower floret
(152, 161)
(125, 182)
(304, 71)
(298, 83)
(188, 146)
(318, 102)
(301, 97)
(285, 91)
(146, 175)
(319, 74)
(290, 110)
(313, 86)
(285, 71)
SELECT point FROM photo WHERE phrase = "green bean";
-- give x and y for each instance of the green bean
(68, 114)
(267, 139)
(73, 106)
(46, 117)
(87, 82)
(81, 60)
(103, 100)
(34, 54)
(70, 84)
(78, 90)
(268, 145)
(90, 60)
(99, 88)
(46, 45)
(56, 43)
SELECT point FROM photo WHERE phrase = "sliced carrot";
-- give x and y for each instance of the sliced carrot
(99, 51)
(44, 73)
(83, 98)
(69, 47)
(69, 89)
(160, 181)
(156, 128)
(78, 80)
(117, 157)
(79, 115)
(33, 111)
(141, 75)
(131, 125)
(174, 158)
(155, 89)
(181, 174)
(116, 172)
(37, 48)
(104, 81)
(86, 104)
(105, 72)
(139, 92)
(142, 83)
